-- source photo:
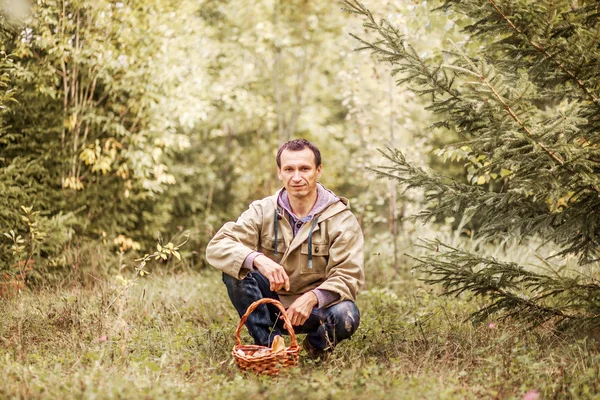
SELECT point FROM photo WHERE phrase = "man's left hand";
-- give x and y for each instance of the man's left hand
(300, 309)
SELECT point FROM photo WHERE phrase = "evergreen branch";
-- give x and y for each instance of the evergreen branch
(519, 292)
(448, 196)
(515, 117)
(548, 56)
(516, 211)
(508, 109)
(394, 40)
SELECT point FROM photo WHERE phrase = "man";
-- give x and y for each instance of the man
(302, 246)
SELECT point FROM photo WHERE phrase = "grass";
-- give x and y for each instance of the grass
(171, 337)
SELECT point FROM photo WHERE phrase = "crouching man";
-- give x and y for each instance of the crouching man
(301, 246)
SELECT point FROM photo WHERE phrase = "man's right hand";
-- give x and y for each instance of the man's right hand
(274, 273)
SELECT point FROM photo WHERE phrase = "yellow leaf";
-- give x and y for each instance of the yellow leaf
(102, 165)
(88, 156)
(72, 183)
(481, 180)
(70, 122)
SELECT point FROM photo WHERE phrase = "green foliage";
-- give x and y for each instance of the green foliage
(92, 128)
(526, 108)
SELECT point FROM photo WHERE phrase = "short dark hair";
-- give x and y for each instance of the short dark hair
(297, 145)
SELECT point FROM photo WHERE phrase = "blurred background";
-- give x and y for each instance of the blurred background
(128, 123)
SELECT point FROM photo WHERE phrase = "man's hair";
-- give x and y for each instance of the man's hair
(297, 145)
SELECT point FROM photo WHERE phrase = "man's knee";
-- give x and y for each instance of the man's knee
(346, 318)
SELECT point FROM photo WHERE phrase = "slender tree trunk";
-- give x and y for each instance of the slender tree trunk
(276, 83)
(393, 207)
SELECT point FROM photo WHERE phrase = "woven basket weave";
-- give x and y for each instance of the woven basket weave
(272, 363)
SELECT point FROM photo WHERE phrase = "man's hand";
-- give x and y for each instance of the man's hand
(300, 309)
(274, 273)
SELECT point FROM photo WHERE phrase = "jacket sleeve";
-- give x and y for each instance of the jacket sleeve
(345, 273)
(228, 249)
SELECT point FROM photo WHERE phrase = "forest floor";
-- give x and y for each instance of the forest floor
(171, 337)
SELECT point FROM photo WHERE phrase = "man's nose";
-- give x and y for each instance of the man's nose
(296, 175)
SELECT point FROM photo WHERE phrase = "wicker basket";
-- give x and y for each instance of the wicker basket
(272, 363)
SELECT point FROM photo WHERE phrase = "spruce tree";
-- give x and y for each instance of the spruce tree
(523, 96)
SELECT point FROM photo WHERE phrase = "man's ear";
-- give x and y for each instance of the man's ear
(319, 170)
(279, 174)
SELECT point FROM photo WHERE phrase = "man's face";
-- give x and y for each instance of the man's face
(299, 173)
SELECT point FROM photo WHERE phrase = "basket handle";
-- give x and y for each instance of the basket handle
(286, 322)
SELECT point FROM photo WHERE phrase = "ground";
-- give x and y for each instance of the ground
(171, 336)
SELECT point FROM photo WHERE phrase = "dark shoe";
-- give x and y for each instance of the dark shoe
(315, 353)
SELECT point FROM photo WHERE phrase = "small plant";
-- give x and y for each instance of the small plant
(23, 250)
(161, 253)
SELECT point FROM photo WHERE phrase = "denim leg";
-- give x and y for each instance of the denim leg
(326, 327)
(262, 321)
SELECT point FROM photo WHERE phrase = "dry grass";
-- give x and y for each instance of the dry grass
(170, 337)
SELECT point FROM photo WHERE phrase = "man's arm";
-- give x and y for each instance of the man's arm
(235, 241)
(325, 297)
(232, 250)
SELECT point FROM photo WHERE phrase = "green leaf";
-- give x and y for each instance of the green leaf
(152, 366)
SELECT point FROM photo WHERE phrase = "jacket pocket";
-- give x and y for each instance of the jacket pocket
(267, 247)
(320, 257)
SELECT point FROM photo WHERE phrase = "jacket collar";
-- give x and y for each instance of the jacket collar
(329, 212)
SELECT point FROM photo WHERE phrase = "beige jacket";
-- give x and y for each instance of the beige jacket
(337, 248)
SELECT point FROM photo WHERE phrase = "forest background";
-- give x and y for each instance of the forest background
(127, 124)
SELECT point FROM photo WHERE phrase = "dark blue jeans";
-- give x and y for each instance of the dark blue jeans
(325, 327)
